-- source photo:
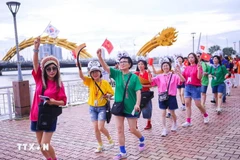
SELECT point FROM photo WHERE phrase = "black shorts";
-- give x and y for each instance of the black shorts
(52, 129)
(170, 104)
(181, 86)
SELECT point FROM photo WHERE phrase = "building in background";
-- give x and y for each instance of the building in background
(50, 49)
(21, 58)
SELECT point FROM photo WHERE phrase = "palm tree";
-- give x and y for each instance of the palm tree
(213, 49)
(228, 51)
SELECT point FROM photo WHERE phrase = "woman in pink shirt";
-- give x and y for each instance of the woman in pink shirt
(162, 81)
(48, 83)
(193, 76)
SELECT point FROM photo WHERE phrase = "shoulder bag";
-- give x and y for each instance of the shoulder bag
(47, 114)
(118, 107)
(164, 95)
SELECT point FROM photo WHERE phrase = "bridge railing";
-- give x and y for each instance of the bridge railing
(76, 93)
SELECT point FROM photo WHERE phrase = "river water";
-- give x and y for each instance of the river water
(66, 74)
(9, 76)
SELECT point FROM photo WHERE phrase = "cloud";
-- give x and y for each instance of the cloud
(128, 24)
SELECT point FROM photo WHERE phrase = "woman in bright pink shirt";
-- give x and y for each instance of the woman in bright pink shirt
(193, 76)
(48, 83)
(162, 81)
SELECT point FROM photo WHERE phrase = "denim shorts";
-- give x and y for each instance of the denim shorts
(97, 113)
(136, 115)
(204, 89)
(170, 104)
(126, 115)
(219, 88)
(147, 111)
(181, 86)
(193, 92)
(52, 129)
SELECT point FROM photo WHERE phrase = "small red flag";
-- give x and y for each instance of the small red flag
(108, 45)
(185, 62)
(206, 56)
(202, 47)
(74, 54)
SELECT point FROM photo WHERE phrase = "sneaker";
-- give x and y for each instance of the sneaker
(183, 108)
(111, 143)
(186, 124)
(219, 111)
(120, 156)
(99, 149)
(213, 101)
(174, 127)
(164, 133)
(206, 119)
(141, 146)
(168, 115)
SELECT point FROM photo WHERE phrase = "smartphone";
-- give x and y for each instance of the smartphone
(45, 98)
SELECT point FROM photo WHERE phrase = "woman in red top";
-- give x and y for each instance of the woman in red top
(48, 83)
(142, 72)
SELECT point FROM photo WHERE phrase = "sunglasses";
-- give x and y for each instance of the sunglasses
(49, 69)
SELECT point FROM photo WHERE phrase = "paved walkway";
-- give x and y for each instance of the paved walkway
(74, 138)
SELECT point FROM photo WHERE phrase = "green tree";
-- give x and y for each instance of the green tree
(213, 49)
(228, 51)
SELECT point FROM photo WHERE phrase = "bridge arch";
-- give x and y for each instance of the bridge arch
(46, 40)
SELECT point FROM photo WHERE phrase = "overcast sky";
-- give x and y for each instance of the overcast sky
(128, 24)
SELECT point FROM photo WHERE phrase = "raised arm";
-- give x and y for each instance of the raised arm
(80, 72)
(102, 62)
(179, 73)
(35, 54)
(155, 71)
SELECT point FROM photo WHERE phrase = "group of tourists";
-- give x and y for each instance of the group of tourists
(188, 80)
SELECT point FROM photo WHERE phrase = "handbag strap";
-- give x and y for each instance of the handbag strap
(99, 88)
(169, 82)
(125, 89)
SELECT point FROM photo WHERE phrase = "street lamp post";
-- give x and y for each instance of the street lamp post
(234, 45)
(14, 7)
(21, 91)
(193, 39)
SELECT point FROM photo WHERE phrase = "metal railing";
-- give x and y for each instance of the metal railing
(6, 102)
(75, 91)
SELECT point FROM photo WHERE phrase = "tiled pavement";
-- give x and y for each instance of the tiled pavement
(74, 138)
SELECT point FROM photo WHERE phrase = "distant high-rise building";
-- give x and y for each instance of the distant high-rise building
(50, 49)
(21, 58)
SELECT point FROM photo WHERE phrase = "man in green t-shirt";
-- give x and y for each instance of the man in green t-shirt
(131, 101)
